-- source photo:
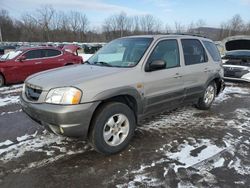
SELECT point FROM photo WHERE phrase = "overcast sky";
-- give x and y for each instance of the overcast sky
(213, 12)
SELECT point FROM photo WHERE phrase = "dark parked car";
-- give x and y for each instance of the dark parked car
(237, 59)
(17, 65)
(5, 48)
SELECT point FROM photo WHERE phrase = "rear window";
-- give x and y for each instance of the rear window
(51, 52)
(213, 50)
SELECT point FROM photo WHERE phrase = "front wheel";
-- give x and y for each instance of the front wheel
(112, 128)
(1, 80)
(208, 97)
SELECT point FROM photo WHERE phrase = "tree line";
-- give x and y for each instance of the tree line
(46, 24)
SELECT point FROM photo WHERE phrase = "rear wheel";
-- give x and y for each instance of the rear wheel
(1, 80)
(112, 128)
(208, 97)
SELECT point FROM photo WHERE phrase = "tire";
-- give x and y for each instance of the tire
(205, 102)
(1, 80)
(107, 122)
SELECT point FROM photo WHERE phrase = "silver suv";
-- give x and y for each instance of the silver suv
(127, 80)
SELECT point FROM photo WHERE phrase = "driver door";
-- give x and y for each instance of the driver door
(30, 65)
(164, 89)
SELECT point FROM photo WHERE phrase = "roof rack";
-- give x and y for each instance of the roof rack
(189, 34)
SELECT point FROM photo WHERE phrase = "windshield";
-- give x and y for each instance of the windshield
(10, 55)
(238, 62)
(124, 52)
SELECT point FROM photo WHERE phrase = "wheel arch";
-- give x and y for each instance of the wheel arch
(68, 64)
(4, 79)
(127, 96)
(218, 81)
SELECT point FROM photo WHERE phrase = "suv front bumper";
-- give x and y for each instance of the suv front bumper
(67, 120)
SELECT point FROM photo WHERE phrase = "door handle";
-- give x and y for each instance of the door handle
(177, 75)
(206, 70)
(36, 63)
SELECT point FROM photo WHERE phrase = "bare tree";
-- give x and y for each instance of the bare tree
(49, 25)
(31, 28)
(121, 22)
(8, 27)
(168, 29)
(179, 28)
(147, 23)
(74, 22)
(233, 27)
(236, 25)
(84, 22)
(135, 23)
(45, 16)
(110, 28)
(247, 28)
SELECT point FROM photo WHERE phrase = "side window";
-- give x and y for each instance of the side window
(33, 54)
(194, 53)
(213, 50)
(51, 52)
(167, 51)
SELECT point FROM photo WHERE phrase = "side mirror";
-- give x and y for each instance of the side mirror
(156, 65)
(21, 58)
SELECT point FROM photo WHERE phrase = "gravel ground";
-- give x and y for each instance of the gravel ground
(182, 148)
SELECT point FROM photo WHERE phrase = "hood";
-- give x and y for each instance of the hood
(71, 75)
(237, 43)
(71, 48)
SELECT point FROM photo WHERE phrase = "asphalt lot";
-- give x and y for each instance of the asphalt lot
(183, 148)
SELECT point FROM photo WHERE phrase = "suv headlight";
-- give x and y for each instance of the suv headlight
(64, 95)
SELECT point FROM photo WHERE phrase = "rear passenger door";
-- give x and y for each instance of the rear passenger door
(52, 58)
(163, 89)
(196, 68)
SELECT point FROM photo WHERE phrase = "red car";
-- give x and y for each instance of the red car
(17, 65)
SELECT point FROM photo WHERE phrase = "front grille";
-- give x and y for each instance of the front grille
(234, 72)
(32, 92)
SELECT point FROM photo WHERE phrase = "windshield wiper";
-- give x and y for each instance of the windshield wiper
(103, 63)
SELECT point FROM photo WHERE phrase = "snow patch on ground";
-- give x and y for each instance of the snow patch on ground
(239, 167)
(11, 112)
(237, 91)
(36, 143)
(183, 155)
(241, 121)
(26, 137)
(13, 90)
(141, 180)
(219, 163)
(183, 116)
(10, 89)
(7, 97)
(6, 143)
(9, 100)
